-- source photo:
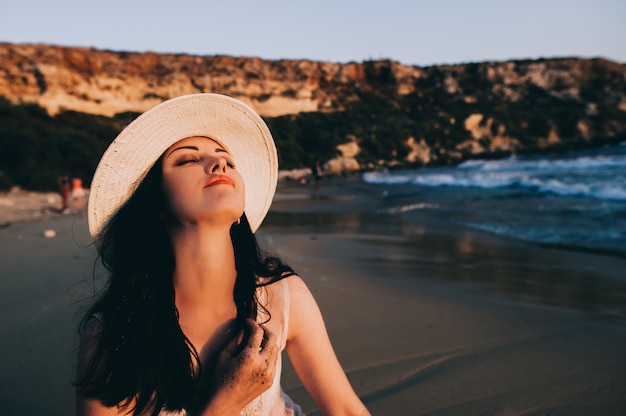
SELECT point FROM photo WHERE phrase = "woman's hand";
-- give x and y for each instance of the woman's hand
(245, 368)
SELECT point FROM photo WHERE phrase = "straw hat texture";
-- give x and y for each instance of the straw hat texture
(230, 122)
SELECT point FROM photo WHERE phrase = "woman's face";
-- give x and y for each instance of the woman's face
(201, 183)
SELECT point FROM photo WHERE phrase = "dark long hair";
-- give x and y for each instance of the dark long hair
(142, 355)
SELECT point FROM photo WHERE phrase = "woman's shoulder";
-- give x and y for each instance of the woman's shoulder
(290, 286)
(282, 295)
(304, 311)
(297, 288)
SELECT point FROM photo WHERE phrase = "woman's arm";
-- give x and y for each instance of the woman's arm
(313, 357)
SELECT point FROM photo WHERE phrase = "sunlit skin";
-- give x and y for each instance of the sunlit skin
(202, 184)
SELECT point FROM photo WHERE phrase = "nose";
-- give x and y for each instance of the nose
(218, 165)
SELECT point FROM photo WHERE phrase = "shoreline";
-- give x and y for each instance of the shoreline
(346, 205)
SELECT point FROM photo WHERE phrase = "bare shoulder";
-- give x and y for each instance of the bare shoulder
(297, 286)
(300, 295)
(305, 314)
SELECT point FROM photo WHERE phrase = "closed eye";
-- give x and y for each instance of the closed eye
(187, 161)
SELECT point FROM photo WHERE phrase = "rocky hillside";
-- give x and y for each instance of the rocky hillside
(350, 115)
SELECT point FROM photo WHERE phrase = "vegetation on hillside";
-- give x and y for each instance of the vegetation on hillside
(35, 149)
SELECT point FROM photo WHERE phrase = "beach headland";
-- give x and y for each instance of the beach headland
(425, 318)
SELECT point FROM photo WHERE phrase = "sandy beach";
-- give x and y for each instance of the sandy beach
(427, 319)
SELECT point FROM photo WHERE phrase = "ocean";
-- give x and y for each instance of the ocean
(575, 200)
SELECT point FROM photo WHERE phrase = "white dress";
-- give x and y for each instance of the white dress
(274, 402)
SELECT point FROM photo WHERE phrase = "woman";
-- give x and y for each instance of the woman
(194, 317)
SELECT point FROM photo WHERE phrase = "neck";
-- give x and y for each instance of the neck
(205, 272)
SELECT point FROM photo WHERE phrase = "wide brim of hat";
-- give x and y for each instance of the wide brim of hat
(230, 122)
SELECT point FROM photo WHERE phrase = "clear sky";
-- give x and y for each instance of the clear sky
(411, 32)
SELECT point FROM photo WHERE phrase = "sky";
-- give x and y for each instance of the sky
(416, 32)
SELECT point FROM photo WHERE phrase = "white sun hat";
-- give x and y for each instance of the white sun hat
(230, 122)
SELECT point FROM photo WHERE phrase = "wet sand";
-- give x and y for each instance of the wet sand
(426, 319)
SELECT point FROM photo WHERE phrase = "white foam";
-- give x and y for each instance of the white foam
(600, 176)
(410, 207)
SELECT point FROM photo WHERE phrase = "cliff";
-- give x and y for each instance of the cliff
(105, 82)
(352, 114)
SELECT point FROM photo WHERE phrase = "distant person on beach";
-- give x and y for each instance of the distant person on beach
(64, 191)
(195, 315)
(316, 171)
(78, 194)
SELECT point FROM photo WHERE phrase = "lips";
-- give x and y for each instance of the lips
(219, 180)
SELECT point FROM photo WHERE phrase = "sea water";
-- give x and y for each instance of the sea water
(576, 199)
